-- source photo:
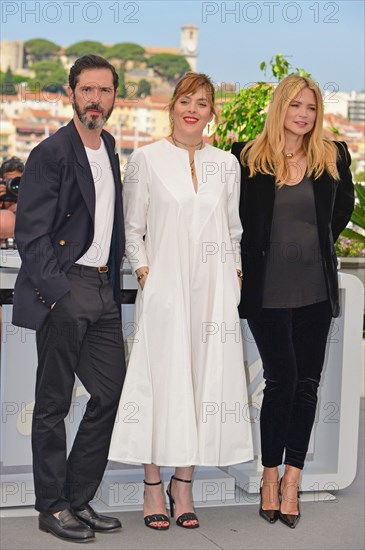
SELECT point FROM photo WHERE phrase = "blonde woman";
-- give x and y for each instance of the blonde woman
(185, 384)
(296, 198)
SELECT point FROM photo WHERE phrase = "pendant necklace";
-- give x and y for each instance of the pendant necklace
(291, 155)
(192, 168)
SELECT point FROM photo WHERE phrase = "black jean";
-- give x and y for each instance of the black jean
(292, 344)
(83, 336)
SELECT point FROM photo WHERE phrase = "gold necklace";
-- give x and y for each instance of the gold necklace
(174, 139)
(291, 155)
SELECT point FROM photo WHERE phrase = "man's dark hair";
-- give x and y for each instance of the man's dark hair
(14, 164)
(87, 62)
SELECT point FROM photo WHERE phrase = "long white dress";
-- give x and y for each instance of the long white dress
(184, 400)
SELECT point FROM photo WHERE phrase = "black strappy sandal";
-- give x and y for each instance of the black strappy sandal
(155, 518)
(188, 516)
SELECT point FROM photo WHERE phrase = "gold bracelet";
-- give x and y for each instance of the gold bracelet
(239, 274)
(139, 277)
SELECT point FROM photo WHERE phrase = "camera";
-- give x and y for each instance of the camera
(8, 244)
(12, 189)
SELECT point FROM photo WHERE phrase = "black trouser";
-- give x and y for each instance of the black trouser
(292, 344)
(82, 335)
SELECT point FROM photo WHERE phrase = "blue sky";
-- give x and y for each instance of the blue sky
(326, 38)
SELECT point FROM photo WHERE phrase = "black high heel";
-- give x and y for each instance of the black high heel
(270, 515)
(291, 520)
(188, 516)
(155, 518)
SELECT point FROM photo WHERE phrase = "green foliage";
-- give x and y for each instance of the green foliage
(169, 65)
(39, 48)
(352, 241)
(49, 75)
(122, 90)
(144, 88)
(7, 84)
(350, 248)
(359, 176)
(126, 51)
(18, 78)
(243, 117)
(358, 216)
(86, 47)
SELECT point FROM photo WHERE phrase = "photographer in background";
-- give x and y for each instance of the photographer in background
(10, 171)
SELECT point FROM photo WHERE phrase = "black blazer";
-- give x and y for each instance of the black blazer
(55, 222)
(334, 202)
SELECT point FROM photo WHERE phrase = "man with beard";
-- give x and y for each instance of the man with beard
(70, 236)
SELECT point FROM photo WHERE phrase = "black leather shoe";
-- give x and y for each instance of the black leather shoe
(291, 520)
(270, 515)
(96, 521)
(66, 526)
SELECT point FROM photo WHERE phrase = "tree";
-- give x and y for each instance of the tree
(122, 91)
(39, 48)
(49, 75)
(243, 117)
(144, 88)
(86, 47)
(169, 65)
(126, 51)
(7, 83)
(19, 78)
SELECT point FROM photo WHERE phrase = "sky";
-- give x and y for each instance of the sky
(325, 38)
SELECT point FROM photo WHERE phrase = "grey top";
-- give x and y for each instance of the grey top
(294, 272)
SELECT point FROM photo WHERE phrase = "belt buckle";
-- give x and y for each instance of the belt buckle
(103, 268)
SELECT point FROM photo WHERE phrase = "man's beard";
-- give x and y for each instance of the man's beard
(95, 122)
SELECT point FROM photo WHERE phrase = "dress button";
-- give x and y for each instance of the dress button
(62, 242)
(68, 215)
(263, 252)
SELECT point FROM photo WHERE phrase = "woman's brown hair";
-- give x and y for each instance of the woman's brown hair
(189, 84)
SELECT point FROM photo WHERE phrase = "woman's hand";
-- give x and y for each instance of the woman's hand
(142, 274)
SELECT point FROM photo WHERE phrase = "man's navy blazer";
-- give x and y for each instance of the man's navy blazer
(55, 222)
(334, 202)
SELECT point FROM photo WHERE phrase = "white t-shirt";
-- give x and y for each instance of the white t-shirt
(98, 253)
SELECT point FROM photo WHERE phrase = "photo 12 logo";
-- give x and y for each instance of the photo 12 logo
(269, 12)
(69, 12)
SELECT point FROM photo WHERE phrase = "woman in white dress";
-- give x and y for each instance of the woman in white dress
(184, 401)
